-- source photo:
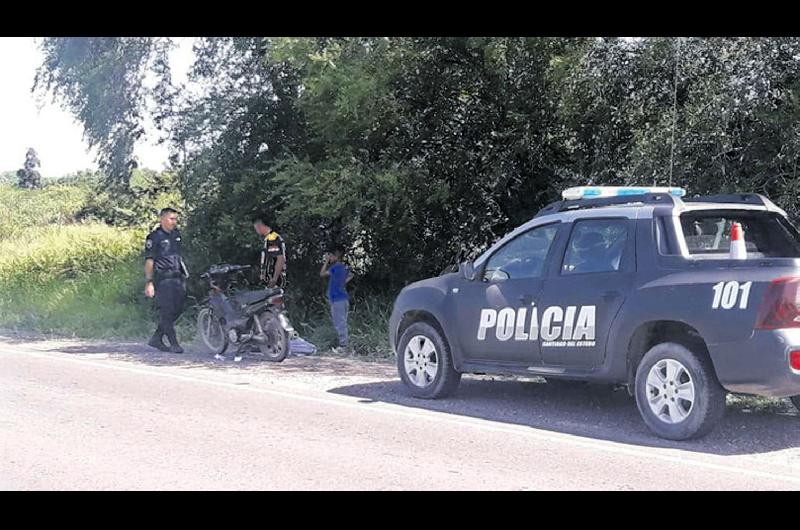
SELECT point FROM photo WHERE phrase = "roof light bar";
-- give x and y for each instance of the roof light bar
(596, 192)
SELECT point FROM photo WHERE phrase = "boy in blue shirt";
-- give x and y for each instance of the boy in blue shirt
(338, 275)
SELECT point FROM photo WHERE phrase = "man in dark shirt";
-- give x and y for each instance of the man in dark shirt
(165, 278)
(273, 255)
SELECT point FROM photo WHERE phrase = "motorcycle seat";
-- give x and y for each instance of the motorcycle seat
(253, 297)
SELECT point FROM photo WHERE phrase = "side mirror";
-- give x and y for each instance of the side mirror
(499, 275)
(468, 270)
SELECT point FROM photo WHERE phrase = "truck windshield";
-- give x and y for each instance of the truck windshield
(766, 234)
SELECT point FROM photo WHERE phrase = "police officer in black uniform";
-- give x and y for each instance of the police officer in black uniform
(165, 278)
(273, 254)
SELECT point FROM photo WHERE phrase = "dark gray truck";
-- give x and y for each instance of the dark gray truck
(632, 289)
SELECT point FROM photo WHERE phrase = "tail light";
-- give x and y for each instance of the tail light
(794, 360)
(276, 300)
(779, 309)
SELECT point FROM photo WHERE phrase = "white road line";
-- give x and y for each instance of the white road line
(442, 417)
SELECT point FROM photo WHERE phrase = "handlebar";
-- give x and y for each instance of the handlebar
(223, 269)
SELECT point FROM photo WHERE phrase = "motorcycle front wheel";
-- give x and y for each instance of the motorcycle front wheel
(275, 347)
(211, 331)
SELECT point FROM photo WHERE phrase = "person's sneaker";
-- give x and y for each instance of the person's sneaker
(237, 359)
(175, 349)
(156, 342)
(219, 357)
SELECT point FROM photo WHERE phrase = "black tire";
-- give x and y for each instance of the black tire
(796, 402)
(215, 340)
(413, 369)
(680, 418)
(277, 347)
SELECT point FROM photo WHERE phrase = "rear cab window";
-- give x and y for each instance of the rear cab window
(766, 234)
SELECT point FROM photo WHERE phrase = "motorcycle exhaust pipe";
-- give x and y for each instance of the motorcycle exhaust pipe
(285, 324)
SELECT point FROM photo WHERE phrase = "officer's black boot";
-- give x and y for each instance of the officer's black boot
(156, 341)
(174, 347)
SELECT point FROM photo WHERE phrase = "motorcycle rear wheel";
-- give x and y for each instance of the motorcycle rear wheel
(276, 347)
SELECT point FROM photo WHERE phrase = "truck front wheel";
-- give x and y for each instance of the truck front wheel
(425, 364)
(677, 392)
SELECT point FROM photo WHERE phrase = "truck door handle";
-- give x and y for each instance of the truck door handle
(610, 295)
(525, 298)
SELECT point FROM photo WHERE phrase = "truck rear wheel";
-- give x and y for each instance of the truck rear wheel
(677, 392)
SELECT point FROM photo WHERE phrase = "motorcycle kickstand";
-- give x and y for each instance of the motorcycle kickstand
(241, 349)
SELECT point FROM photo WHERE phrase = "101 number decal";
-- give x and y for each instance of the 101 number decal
(726, 294)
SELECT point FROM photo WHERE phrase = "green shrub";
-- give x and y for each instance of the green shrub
(41, 254)
(51, 205)
(81, 279)
(102, 305)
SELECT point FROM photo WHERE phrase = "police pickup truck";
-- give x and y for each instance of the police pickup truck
(639, 286)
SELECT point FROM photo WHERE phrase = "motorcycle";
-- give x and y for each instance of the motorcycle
(254, 320)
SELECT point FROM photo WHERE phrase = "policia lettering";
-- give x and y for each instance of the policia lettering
(573, 326)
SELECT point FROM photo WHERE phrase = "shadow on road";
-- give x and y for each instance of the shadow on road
(596, 411)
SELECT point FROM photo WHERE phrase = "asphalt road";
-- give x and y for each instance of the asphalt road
(79, 415)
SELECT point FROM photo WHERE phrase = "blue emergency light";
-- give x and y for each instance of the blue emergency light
(596, 192)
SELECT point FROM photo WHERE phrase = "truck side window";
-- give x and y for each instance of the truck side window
(662, 241)
(522, 257)
(595, 246)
